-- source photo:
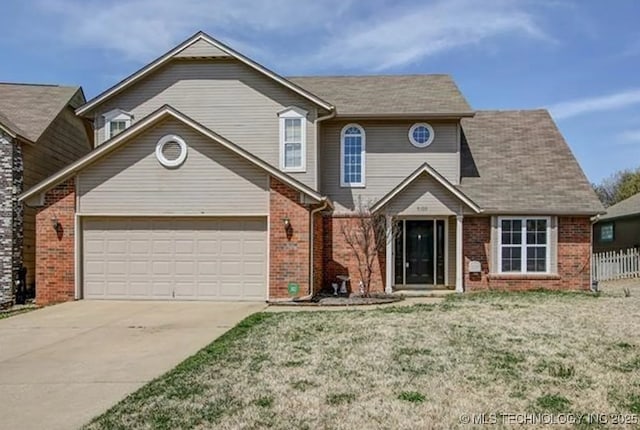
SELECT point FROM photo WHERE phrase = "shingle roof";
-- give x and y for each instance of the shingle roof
(517, 162)
(384, 95)
(629, 206)
(28, 109)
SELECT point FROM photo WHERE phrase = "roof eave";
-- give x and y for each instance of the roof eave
(412, 115)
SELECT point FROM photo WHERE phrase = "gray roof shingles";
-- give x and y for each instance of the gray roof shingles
(28, 109)
(627, 207)
(387, 95)
(517, 162)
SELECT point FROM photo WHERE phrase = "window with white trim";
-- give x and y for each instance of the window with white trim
(293, 137)
(115, 122)
(352, 156)
(606, 232)
(523, 244)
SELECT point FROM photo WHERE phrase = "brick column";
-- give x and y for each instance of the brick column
(55, 262)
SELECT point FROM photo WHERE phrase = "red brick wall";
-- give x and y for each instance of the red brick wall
(574, 258)
(339, 258)
(55, 249)
(318, 249)
(288, 248)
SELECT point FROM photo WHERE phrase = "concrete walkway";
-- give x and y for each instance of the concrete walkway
(60, 366)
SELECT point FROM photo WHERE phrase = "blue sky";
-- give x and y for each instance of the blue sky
(580, 59)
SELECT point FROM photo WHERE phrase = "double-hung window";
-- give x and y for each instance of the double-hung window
(293, 146)
(524, 244)
(115, 122)
(352, 156)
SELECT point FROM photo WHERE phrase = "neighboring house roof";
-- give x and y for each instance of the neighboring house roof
(26, 110)
(144, 124)
(194, 44)
(627, 207)
(425, 168)
(517, 162)
(388, 96)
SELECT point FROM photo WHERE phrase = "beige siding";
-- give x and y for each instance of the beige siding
(424, 196)
(225, 96)
(212, 180)
(451, 252)
(63, 142)
(390, 158)
(201, 48)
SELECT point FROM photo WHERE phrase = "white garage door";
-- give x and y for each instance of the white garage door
(175, 258)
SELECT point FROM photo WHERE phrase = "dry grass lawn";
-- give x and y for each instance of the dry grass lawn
(404, 367)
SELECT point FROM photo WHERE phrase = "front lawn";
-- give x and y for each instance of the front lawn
(404, 367)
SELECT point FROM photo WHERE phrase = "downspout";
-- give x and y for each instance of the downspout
(325, 204)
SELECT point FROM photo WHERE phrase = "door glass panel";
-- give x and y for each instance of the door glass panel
(399, 256)
(440, 252)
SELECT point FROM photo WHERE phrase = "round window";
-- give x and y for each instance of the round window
(421, 135)
(171, 151)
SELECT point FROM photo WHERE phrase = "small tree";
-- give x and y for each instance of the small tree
(367, 236)
(619, 186)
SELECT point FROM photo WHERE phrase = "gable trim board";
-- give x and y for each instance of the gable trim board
(200, 36)
(147, 122)
(425, 168)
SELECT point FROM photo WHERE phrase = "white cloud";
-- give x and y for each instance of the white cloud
(588, 105)
(337, 33)
(629, 137)
(418, 32)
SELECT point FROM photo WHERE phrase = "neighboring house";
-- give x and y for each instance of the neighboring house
(39, 135)
(216, 178)
(619, 228)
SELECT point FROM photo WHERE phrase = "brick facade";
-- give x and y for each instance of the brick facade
(11, 217)
(574, 258)
(55, 263)
(339, 258)
(288, 247)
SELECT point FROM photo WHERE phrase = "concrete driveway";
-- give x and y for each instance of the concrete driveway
(60, 366)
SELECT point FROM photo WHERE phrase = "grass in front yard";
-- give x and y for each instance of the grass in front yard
(403, 367)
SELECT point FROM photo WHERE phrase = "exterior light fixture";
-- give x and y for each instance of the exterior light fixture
(286, 222)
(55, 223)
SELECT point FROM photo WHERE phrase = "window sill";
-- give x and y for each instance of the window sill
(353, 186)
(294, 170)
(525, 276)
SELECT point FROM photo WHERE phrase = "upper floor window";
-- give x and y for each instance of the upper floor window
(421, 135)
(523, 245)
(352, 156)
(293, 139)
(115, 122)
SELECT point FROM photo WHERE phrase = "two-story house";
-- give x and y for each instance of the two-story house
(39, 135)
(215, 178)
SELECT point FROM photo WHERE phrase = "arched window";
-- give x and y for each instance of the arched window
(352, 156)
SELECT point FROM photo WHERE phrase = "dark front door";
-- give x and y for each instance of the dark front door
(419, 248)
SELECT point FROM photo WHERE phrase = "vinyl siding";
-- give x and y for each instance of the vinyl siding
(63, 142)
(201, 48)
(212, 180)
(424, 196)
(224, 95)
(390, 158)
(626, 234)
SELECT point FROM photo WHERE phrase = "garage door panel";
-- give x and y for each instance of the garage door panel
(181, 258)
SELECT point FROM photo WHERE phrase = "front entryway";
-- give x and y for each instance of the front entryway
(420, 252)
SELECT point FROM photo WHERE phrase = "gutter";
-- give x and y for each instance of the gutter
(331, 114)
(325, 204)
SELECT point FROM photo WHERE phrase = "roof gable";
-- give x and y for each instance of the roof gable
(425, 169)
(148, 122)
(199, 45)
(27, 110)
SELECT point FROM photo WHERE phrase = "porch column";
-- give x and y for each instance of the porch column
(459, 256)
(389, 256)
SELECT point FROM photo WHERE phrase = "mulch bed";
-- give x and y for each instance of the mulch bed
(353, 300)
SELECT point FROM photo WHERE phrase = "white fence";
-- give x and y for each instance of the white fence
(616, 265)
